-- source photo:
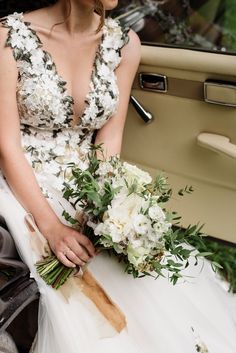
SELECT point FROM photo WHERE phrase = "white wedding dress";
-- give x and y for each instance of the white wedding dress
(196, 315)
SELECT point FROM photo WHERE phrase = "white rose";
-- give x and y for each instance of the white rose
(125, 206)
(136, 256)
(156, 213)
(134, 172)
(112, 228)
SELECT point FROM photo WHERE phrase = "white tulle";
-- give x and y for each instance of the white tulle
(161, 318)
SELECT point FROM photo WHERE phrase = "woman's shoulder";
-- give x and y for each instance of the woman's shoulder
(38, 18)
(34, 17)
(5, 25)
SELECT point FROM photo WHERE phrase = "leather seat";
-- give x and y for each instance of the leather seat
(18, 293)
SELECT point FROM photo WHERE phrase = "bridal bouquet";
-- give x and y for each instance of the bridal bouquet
(122, 210)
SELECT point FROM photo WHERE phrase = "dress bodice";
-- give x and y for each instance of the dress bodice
(50, 140)
(42, 98)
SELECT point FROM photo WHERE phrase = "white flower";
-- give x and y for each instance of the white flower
(83, 165)
(107, 100)
(136, 255)
(136, 243)
(111, 57)
(112, 23)
(30, 44)
(84, 148)
(104, 168)
(112, 228)
(103, 71)
(156, 213)
(22, 31)
(160, 228)
(124, 207)
(113, 39)
(142, 224)
(134, 173)
(17, 41)
(52, 167)
(36, 57)
(91, 111)
(14, 21)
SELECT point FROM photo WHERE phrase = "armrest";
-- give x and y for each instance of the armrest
(217, 143)
(17, 289)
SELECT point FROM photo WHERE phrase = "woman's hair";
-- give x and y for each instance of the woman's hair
(100, 9)
(30, 5)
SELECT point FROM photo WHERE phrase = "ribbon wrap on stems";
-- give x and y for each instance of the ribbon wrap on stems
(82, 280)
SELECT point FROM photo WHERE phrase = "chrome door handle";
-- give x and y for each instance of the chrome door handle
(153, 82)
(146, 116)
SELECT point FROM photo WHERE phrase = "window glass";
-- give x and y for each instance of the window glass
(201, 24)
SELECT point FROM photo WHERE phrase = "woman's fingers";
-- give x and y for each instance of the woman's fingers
(87, 244)
(73, 248)
(74, 258)
(78, 250)
(63, 259)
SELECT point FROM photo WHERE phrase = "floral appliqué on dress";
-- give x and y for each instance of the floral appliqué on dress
(49, 139)
(199, 344)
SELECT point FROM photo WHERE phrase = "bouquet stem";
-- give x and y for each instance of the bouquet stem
(53, 272)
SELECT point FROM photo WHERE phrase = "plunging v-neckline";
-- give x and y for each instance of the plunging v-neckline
(63, 82)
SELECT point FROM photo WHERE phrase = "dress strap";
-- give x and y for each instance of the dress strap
(115, 38)
(124, 36)
(20, 38)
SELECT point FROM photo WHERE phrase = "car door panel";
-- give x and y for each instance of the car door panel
(170, 142)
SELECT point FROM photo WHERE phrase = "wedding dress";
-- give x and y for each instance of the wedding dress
(196, 315)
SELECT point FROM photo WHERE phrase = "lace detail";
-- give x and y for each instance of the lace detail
(49, 139)
(42, 97)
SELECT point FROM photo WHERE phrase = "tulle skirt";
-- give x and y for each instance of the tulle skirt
(196, 315)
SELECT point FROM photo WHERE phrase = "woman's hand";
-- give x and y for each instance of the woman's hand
(70, 247)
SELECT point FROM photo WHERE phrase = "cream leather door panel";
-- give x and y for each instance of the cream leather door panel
(191, 141)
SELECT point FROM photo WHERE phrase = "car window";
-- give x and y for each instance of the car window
(200, 24)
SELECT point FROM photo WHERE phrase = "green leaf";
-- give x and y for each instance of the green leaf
(204, 254)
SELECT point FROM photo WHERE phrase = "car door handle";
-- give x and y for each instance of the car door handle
(153, 82)
(217, 143)
(145, 115)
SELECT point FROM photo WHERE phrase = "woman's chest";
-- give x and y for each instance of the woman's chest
(74, 60)
(50, 94)
(43, 95)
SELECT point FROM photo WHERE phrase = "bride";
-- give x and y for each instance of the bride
(66, 72)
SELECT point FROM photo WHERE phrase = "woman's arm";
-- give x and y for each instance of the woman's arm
(19, 173)
(112, 132)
